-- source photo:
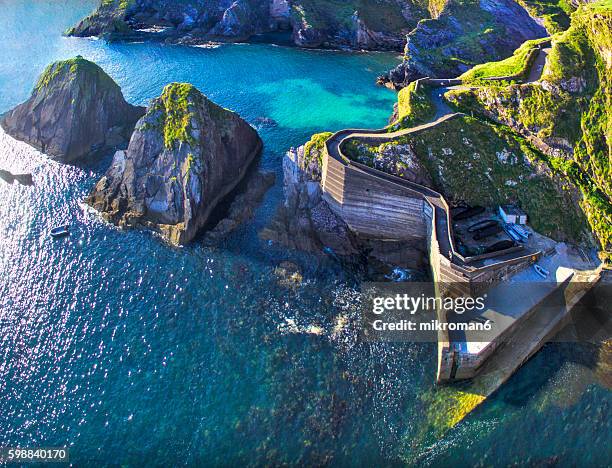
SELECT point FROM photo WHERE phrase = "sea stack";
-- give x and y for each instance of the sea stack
(76, 111)
(185, 155)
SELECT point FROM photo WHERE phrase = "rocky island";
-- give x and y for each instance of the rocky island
(76, 111)
(185, 155)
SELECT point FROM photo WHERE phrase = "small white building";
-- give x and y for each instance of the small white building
(512, 214)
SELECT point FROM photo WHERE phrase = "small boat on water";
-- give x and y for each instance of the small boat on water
(60, 231)
(543, 272)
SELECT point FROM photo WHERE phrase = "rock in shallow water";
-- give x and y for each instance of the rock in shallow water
(185, 155)
(76, 110)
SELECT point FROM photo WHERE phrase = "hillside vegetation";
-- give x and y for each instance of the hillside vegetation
(567, 114)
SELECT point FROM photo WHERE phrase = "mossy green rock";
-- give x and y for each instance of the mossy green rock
(185, 155)
(566, 114)
(76, 110)
(466, 33)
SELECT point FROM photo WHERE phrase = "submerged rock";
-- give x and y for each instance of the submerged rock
(76, 110)
(185, 155)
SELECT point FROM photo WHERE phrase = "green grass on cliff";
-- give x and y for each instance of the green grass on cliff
(486, 164)
(176, 110)
(315, 146)
(517, 66)
(414, 106)
(74, 67)
(555, 13)
(177, 98)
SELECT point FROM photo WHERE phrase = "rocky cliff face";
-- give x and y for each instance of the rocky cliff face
(185, 155)
(362, 24)
(566, 113)
(179, 20)
(76, 110)
(465, 33)
(306, 222)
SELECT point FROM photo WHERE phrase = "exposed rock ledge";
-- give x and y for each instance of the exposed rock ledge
(186, 154)
(76, 110)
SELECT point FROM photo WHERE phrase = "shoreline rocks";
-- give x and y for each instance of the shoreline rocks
(356, 24)
(185, 156)
(306, 222)
(76, 110)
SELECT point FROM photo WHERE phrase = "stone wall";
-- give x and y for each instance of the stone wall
(373, 207)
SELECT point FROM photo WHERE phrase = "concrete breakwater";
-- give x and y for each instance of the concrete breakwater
(376, 204)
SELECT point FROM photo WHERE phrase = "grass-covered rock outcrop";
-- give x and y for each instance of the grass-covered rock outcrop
(108, 20)
(516, 67)
(486, 164)
(76, 110)
(414, 106)
(567, 113)
(466, 33)
(186, 154)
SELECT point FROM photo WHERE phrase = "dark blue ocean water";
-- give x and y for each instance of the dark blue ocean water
(132, 352)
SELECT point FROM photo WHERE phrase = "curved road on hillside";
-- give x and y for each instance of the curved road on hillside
(443, 113)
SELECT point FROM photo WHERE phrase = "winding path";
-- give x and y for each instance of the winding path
(443, 226)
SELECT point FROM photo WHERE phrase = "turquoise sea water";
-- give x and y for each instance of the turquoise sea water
(133, 353)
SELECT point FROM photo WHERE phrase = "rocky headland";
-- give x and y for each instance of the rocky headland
(185, 156)
(543, 144)
(565, 115)
(358, 24)
(466, 33)
(76, 111)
